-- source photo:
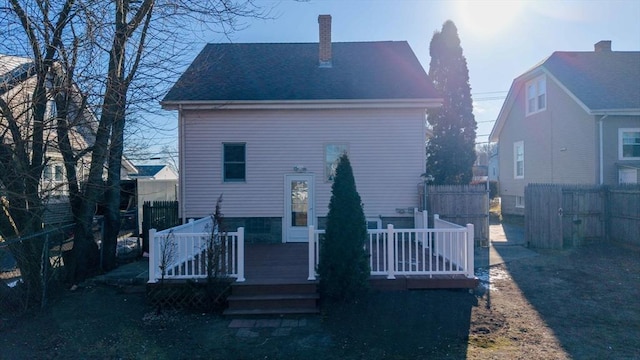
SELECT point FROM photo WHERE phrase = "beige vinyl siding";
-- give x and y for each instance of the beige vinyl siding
(574, 151)
(386, 149)
(560, 144)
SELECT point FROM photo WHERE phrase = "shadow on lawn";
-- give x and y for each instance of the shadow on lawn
(403, 325)
(589, 296)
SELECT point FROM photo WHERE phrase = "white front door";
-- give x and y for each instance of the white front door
(298, 207)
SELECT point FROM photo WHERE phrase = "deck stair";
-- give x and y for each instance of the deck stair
(267, 299)
(276, 282)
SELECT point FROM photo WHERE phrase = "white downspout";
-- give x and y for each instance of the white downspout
(181, 177)
(601, 151)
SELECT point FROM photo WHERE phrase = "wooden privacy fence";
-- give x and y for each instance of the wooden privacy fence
(623, 214)
(459, 204)
(159, 215)
(559, 216)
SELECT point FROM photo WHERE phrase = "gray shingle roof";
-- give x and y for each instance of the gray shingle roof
(148, 170)
(267, 71)
(603, 80)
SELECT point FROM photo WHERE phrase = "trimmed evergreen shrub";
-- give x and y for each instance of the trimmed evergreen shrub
(344, 264)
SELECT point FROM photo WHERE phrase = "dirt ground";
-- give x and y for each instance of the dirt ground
(572, 304)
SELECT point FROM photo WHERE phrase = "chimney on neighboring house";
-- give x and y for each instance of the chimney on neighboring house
(325, 40)
(602, 46)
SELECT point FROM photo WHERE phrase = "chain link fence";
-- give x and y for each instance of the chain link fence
(57, 245)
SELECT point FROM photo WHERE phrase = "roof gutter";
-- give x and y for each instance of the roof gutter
(301, 104)
(607, 112)
(601, 148)
(181, 161)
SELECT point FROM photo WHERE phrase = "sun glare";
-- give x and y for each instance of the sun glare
(486, 19)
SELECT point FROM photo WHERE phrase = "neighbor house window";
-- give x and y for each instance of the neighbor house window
(518, 159)
(536, 95)
(53, 180)
(332, 153)
(629, 144)
(54, 173)
(234, 159)
(519, 201)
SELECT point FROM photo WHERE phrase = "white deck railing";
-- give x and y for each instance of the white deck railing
(182, 252)
(446, 249)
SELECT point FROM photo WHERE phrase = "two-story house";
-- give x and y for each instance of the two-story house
(572, 119)
(17, 84)
(263, 124)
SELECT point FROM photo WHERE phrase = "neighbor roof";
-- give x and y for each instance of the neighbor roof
(148, 170)
(601, 82)
(290, 71)
(13, 70)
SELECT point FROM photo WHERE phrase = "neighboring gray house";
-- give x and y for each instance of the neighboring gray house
(264, 123)
(572, 119)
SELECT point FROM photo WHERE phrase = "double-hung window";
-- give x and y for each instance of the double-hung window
(629, 144)
(536, 95)
(518, 160)
(234, 162)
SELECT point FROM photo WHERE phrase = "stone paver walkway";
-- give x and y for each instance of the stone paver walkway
(251, 328)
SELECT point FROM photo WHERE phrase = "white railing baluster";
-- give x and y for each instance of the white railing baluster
(391, 256)
(240, 273)
(312, 253)
(153, 261)
(470, 253)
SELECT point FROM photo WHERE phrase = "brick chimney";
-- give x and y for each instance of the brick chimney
(325, 40)
(602, 46)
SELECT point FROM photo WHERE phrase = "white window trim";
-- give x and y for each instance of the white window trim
(515, 159)
(620, 153)
(536, 82)
(54, 179)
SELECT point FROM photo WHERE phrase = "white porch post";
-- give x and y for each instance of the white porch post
(312, 253)
(425, 219)
(391, 256)
(470, 251)
(240, 255)
(152, 256)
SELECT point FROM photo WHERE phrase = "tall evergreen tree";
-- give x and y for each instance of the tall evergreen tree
(344, 265)
(451, 150)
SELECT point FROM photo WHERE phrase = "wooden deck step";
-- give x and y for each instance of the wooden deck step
(282, 311)
(244, 289)
(273, 298)
(275, 301)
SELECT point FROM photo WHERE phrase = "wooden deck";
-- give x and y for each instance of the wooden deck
(273, 264)
(276, 263)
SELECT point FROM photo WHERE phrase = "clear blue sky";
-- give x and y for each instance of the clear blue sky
(500, 39)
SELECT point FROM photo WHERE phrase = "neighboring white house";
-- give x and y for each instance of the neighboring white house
(153, 172)
(263, 124)
(572, 119)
